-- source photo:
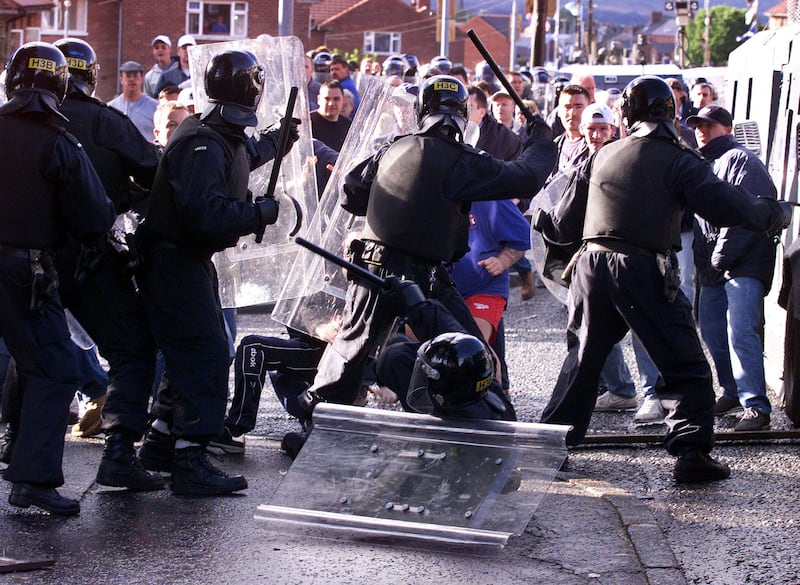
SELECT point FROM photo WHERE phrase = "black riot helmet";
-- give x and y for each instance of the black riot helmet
(394, 65)
(82, 63)
(235, 81)
(442, 98)
(442, 63)
(484, 72)
(452, 371)
(38, 66)
(647, 99)
(322, 66)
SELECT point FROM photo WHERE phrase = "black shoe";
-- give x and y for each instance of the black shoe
(24, 495)
(227, 443)
(7, 444)
(726, 405)
(194, 475)
(292, 443)
(695, 466)
(119, 466)
(752, 420)
(157, 451)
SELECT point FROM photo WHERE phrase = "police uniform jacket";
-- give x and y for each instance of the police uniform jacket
(415, 192)
(199, 198)
(49, 188)
(634, 190)
(114, 145)
(730, 252)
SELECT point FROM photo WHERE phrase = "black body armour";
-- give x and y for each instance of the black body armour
(408, 210)
(161, 219)
(84, 123)
(627, 197)
(30, 215)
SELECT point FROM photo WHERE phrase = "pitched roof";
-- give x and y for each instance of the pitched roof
(778, 10)
(330, 8)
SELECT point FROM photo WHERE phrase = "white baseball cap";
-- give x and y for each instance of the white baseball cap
(597, 114)
(161, 39)
(186, 40)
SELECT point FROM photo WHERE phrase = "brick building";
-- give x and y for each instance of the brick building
(375, 27)
(120, 31)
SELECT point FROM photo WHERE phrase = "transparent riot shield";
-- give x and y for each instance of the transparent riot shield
(549, 271)
(398, 477)
(253, 273)
(314, 292)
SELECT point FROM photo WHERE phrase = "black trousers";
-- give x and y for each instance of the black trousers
(48, 376)
(291, 364)
(610, 293)
(181, 299)
(112, 313)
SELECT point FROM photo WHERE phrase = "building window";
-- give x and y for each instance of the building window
(217, 19)
(76, 13)
(382, 43)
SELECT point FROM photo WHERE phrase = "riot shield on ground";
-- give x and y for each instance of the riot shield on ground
(253, 273)
(400, 477)
(548, 269)
(314, 292)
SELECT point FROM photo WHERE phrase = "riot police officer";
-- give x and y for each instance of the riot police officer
(448, 372)
(415, 194)
(50, 189)
(442, 64)
(626, 205)
(102, 296)
(199, 205)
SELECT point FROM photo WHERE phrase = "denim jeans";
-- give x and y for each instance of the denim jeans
(730, 322)
(616, 376)
(686, 264)
(649, 376)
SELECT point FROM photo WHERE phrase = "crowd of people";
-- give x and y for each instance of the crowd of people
(114, 211)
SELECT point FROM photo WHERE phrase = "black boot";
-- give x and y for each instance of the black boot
(157, 451)
(194, 475)
(696, 466)
(7, 444)
(119, 466)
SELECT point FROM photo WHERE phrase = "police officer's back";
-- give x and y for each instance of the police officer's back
(115, 146)
(97, 284)
(49, 190)
(415, 194)
(626, 204)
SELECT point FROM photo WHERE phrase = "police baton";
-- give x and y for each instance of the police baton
(353, 269)
(501, 77)
(283, 141)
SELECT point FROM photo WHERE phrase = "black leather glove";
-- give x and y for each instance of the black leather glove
(403, 294)
(273, 133)
(267, 212)
(537, 127)
(781, 216)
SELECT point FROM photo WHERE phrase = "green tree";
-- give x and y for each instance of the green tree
(726, 24)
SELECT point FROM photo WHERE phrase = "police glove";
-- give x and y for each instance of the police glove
(273, 133)
(403, 295)
(266, 212)
(781, 216)
(537, 127)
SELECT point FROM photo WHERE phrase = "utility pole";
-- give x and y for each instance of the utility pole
(285, 17)
(67, 5)
(707, 35)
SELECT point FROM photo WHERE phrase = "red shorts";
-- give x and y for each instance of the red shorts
(488, 307)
